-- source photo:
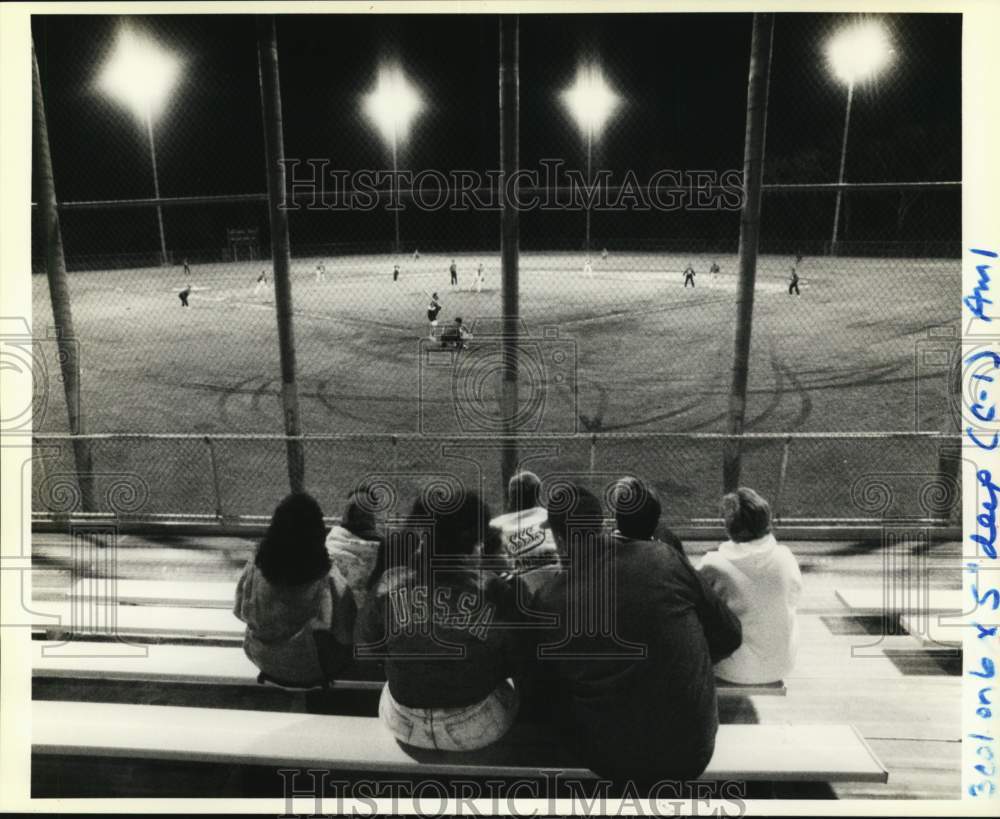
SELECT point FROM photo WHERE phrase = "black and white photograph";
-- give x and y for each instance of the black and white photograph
(494, 408)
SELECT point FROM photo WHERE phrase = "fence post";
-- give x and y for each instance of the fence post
(55, 268)
(274, 146)
(950, 454)
(782, 473)
(215, 477)
(753, 167)
(509, 102)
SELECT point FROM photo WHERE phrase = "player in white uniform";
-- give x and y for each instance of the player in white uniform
(479, 278)
(321, 272)
(714, 272)
(604, 255)
(587, 269)
(261, 282)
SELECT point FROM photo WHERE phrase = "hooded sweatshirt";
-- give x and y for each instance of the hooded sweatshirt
(355, 557)
(281, 621)
(761, 583)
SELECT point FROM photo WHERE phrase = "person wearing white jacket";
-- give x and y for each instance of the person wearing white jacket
(355, 547)
(759, 579)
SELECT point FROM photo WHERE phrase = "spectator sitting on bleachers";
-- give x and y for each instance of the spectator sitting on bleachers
(439, 625)
(760, 581)
(355, 546)
(635, 676)
(637, 511)
(288, 591)
(524, 531)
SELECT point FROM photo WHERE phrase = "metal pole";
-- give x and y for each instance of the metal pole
(395, 181)
(274, 146)
(590, 150)
(216, 484)
(509, 102)
(753, 167)
(55, 269)
(840, 176)
(782, 474)
(156, 188)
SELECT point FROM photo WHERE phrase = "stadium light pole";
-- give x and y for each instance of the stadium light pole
(591, 102)
(855, 53)
(140, 75)
(392, 106)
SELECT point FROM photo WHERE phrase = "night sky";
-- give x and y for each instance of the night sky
(683, 78)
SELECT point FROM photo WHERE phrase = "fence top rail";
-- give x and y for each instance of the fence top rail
(409, 193)
(488, 437)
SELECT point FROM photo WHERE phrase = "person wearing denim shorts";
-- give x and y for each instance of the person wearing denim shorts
(442, 627)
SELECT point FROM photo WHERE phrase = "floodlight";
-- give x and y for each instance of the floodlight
(590, 99)
(393, 104)
(859, 51)
(139, 73)
(855, 53)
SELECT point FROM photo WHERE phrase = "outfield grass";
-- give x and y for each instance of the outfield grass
(626, 349)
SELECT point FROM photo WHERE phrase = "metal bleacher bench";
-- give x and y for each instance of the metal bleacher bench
(199, 594)
(215, 665)
(874, 601)
(774, 753)
(917, 617)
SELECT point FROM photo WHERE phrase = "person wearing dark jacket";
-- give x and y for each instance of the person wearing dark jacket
(439, 625)
(637, 511)
(635, 694)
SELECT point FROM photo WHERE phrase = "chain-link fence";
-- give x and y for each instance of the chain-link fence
(619, 339)
(836, 479)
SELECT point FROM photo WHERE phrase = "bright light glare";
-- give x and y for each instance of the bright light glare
(393, 104)
(590, 100)
(139, 74)
(859, 51)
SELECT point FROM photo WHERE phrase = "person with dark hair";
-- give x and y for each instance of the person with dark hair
(760, 581)
(442, 626)
(523, 491)
(355, 546)
(525, 539)
(183, 295)
(298, 608)
(637, 511)
(631, 659)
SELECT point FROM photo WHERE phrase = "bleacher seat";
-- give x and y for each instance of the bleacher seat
(808, 753)
(873, 601)
(218, 665)
(201, 594)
